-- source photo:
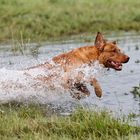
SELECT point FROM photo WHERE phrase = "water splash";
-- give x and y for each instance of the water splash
(42, 85)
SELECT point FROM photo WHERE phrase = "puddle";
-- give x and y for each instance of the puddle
(15, 85)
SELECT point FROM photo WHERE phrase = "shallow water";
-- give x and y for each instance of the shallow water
(15, 85)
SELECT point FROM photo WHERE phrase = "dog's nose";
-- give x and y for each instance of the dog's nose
(127, 59)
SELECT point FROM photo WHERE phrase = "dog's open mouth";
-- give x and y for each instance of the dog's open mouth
(115, 65)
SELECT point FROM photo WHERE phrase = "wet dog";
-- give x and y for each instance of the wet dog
(106, 53)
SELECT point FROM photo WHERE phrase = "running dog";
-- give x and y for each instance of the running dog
(106, 52)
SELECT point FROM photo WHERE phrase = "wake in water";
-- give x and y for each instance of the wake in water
(42, 85)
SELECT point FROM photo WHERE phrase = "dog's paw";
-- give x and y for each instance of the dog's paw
(98, 92)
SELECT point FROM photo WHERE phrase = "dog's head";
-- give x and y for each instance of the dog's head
(109, 54)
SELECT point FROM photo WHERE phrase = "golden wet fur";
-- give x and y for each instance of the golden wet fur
(107, 53)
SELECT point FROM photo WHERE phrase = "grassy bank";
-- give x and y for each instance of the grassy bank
(34, 122)
(40, 20)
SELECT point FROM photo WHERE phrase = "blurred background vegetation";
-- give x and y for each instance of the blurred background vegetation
(44, 19)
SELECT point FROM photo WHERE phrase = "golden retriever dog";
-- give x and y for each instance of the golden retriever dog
(105, 52)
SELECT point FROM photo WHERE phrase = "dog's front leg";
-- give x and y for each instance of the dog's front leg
(97, 88)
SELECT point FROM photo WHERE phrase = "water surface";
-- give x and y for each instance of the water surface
(116, 85)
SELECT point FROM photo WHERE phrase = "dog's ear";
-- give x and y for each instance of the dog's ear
(99, 41)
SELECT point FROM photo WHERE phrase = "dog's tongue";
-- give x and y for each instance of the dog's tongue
(117, 65)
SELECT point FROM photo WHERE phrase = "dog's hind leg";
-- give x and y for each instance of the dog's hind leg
(97, 88)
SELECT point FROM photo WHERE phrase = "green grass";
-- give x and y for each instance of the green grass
(40, 20)
(136, 91)
(35, 122)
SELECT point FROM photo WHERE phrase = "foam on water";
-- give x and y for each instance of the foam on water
(42, 85)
